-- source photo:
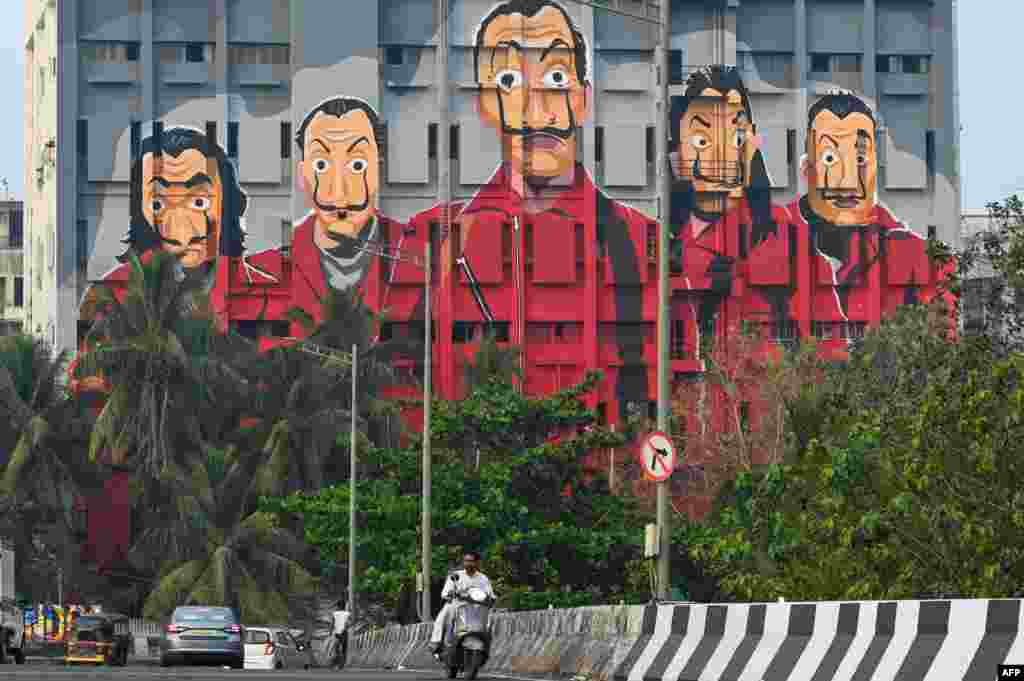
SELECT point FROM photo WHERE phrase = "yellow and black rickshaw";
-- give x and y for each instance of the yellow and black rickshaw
(97, 638)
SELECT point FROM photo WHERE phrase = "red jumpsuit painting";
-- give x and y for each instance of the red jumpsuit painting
(856, 263)
(540, 214)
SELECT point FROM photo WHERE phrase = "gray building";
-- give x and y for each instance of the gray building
(251, 69)
(12, 280)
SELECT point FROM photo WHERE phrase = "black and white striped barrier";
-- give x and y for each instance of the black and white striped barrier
(857, 641)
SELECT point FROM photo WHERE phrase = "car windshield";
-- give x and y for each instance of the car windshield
(257, 636)
(217, 617)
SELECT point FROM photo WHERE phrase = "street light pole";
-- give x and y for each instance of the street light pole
(426, 441)
(664, 204)
(352, 493)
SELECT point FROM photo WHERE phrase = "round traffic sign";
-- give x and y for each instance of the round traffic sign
(658, 456)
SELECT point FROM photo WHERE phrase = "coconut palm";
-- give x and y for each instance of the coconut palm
(159, 351)
(303, 396)
(247, 562)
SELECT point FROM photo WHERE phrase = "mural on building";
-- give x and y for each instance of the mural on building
(532, 68)
(536, 250)
(335, 244)
(185, 199)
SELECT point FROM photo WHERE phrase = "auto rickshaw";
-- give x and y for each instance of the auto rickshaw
(98, 639)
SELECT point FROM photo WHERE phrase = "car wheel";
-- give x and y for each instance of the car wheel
(164, 662)
(19, 656)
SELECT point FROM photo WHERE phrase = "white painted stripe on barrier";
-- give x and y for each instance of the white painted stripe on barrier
(694, 633)
(662, 629)
(1016, 652)
(967, 621)
(735, 629)
(866, 620)
(905, 631)
(776, 628)
(826, 626)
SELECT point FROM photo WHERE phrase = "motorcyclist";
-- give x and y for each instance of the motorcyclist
(465, 579)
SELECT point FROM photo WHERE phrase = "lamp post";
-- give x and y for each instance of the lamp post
(352, 494)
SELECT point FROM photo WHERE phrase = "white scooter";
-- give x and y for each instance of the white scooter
(467, 644)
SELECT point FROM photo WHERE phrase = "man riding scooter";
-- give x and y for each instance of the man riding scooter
(462, 581)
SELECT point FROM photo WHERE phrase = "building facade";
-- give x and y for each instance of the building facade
(43, 275)
(284, 148)
(12, 277)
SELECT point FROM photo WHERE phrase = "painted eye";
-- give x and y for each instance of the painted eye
(862, 160)
(741, 138)
(557, 77)
(157, 205)
(357, 165)
(830, 158)
(200, 203)
(321, 165)
(700, 142)
(509, 79)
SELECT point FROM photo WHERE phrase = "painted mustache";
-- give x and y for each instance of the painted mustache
(341, 210)
(721, 174)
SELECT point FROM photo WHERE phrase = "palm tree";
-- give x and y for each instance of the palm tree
(163, 360)
(303, 396)
(45, 470)
(247, 562)
(492, 362)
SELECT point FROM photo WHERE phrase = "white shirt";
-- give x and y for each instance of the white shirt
(479, 580)
(340, 621)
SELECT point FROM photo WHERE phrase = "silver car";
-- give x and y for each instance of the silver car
(274, 648)
(203, 634)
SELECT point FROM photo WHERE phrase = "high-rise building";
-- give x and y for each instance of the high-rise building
(45, 310)
(333, 155)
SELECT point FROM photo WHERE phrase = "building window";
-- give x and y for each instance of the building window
(823, 330)
(675, 67)
(649, 140)
(82, 138)
(259, 54)
(195, 53)
(16, 234)
(82, 244)
(136, 139)
(453, 143)
(191, 53)
(462, 332)
(286, 139)
(599, 144)
(678, 339)
(211, 131)
(929, 152)
(432, 140)
(835, 63)
(233, 139)
(19, 291)
(501, 331)
(394, 56)
(914, 64)
(109, 53)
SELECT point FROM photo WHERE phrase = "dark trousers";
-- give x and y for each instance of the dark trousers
(340, 649)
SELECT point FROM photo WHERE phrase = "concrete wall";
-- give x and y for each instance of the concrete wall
(948, 640)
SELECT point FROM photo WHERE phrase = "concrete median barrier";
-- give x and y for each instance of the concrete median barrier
(907, 640)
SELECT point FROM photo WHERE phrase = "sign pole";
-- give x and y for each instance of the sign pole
(664, 195)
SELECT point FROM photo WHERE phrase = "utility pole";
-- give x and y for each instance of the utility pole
(352, 493)
(60, 587)
(664, 210)
(443, 198)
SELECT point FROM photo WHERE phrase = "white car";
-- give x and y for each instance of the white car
(274, 648)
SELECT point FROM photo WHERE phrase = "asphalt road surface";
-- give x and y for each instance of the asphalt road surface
(56, 672)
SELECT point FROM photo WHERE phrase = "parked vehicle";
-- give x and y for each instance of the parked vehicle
(12, 633)
(203, 634)
(467, 643)
(274, 648)
(98, 639)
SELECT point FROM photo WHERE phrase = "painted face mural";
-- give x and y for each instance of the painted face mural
(186, 199)
(842, 163)
(716, 143)
(182, 199)
(339, 169)
(532, 68)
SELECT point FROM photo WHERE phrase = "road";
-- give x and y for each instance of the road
(55, 672)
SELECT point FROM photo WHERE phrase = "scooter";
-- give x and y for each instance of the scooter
(467, 645)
